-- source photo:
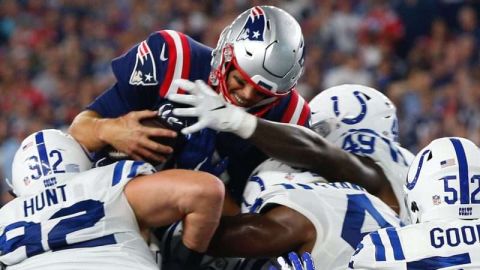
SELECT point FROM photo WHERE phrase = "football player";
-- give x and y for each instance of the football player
(298, 213)
(255, 66)
(353, 137)
(70, 216)
(442, 195)
(326, 219)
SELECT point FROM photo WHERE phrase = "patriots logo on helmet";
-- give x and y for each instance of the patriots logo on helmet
(144, 72)
(254, 28)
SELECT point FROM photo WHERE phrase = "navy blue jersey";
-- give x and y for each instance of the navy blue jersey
(144, 78)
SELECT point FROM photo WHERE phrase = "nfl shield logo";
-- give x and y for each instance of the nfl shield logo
(26, 181)
(436, 200)
(289, 176)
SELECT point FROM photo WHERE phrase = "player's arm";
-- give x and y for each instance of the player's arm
(294, 145)
(301, 147)
(111, 117)
(166, 197)
(269, 234)
(124, 133)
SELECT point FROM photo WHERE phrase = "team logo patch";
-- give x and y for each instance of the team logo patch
(144, 72)
(254, 28)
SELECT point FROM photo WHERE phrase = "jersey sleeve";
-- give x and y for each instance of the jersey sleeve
(291, 109)
(126, 170)
(388, 155)
(288, 194)
(146, 72)
(297, 111)
(379, 250)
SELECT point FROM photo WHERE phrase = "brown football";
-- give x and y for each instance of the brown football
(156, 122)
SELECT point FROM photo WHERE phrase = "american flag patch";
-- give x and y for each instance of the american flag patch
(26, 146)
(447, 163)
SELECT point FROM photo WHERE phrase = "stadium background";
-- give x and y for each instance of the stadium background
(424, 54)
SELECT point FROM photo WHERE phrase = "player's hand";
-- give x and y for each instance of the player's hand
(198, 152)
(305, 263)
(127, 135)
(212, 110)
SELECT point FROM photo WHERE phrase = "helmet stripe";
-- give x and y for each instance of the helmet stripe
(462, 171)
(42, 153)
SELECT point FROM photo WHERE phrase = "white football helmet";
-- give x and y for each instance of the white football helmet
(444, 181)
(265, 44)
(352, 106)
(45, 158)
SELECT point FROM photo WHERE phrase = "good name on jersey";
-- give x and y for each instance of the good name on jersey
(468, 235)
(48, 197)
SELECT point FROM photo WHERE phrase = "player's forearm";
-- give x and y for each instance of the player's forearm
(86, 128)
(301, 147)
(245, 236)
(295, 145)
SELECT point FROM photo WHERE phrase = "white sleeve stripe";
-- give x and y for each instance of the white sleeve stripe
(179, 61)
(298, 111)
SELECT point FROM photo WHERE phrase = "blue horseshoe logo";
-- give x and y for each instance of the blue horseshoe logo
(411, 185)
(359, 117)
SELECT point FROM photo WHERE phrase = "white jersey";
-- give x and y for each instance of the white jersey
(342, 214)
(446, 245)
(83, 223)
(393, 159)
(272, 172)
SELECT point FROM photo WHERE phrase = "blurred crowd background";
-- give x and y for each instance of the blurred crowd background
(424, 54)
